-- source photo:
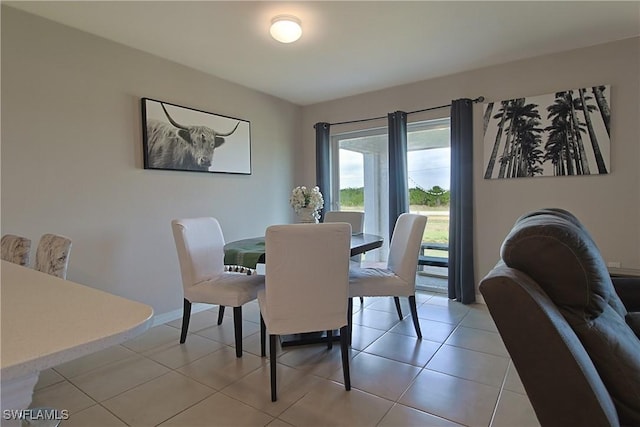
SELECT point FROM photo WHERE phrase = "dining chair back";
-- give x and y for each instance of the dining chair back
(356, 219)
(16, 249)
(52, 255)
(404, 248)
(306, 289)
(398, 279)
(200, 246)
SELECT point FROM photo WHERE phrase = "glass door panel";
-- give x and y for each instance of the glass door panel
(429, 170)
(360, 181)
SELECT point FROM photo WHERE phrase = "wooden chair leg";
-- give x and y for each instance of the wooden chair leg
(414, 315)
(272, 363)
(344, 347)
(186, 316)
(220, 314)
(329, 339)
(263, 330)
(237, 327)
(398, 308)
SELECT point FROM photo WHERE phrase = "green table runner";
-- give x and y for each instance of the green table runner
(246, 253)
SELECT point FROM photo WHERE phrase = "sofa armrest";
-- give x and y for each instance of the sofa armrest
(628, 289)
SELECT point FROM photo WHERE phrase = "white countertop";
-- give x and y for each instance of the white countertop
(46, 321)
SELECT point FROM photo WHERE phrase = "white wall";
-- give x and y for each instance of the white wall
(609, 205)
(72, 157)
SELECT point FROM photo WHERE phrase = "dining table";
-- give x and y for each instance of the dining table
(47, 320)
(251, 253)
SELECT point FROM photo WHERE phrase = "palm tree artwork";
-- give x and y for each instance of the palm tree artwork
(559, 134)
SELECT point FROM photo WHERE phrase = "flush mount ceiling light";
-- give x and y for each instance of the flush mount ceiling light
(285, 28)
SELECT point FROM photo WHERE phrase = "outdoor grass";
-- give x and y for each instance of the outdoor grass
(437, 229)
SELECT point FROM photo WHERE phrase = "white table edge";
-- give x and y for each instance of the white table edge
(50, 360)
(19, 378)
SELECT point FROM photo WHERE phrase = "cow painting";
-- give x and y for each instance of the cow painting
(183, 147)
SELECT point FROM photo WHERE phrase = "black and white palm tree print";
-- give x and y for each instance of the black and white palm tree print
(566, 133)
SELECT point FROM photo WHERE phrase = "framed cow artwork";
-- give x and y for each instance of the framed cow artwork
(186, 139)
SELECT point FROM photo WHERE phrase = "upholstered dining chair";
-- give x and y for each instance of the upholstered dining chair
(16, 249)
(398, 279)
(52, 255)
(238, 269)
(356, 219)
(306, 289)
(200, 246)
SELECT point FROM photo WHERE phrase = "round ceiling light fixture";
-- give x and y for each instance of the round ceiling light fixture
(285, 28)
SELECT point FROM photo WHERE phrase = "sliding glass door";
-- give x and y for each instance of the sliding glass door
(429, 164)
(360, 178)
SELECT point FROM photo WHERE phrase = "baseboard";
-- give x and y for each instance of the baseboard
(443, 291)
(431, 288)
(161, 319)
(629, 272)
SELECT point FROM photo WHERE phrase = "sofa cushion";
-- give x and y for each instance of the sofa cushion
(564, 260)
(614, 300)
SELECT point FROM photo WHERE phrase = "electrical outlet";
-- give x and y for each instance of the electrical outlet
(613, 264)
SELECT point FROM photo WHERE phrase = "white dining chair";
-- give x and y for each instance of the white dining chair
(398, 279)
(356, 219)
(52, 255)
(238, 269)
(306, 290)
(200, 246)
(16, 249)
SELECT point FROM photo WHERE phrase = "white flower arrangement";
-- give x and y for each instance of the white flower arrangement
(302, 197)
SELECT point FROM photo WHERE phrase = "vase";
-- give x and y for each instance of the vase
(307, 216)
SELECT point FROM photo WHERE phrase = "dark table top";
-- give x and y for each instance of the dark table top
(249, 252)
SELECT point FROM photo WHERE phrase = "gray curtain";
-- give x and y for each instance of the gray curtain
(461, 274)
(323, 164)
(398, 180)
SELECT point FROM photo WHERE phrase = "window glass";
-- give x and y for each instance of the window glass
(360, 171)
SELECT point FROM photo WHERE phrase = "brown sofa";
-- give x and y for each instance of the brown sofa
(572, 331)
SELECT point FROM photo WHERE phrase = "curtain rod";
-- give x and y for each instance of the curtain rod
(478, 99)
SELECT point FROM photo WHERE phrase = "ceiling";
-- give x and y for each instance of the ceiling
(347, 48)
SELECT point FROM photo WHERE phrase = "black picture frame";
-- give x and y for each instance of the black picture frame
(186, 139)
(563, 133)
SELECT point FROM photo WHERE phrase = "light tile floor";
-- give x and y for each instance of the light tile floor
(458, 374)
